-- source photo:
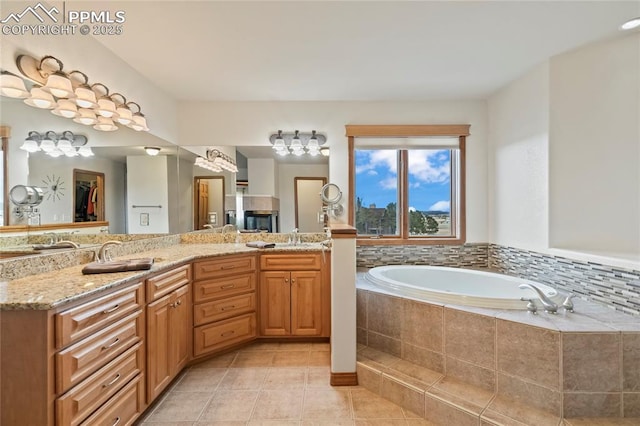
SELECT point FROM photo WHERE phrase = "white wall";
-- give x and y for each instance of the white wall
(288, 172)
(251, 123)
(262, 176)
(147, 185)
(518, 162)
(88, 55)
(594, 170)
(564, 155)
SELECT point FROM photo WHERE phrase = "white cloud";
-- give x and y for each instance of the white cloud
(412, 209)
(382, 158)
(389, 183)
(443, 206)
(429, 166)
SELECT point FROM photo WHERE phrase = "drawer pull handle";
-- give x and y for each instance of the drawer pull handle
(112, 344)
(115, 379)
(227, 333)
(224, 308)
(286, 280)
(228, 267)
(293, 280)
(116, 422)
(108, 311)
(179, 302)
(224, 287)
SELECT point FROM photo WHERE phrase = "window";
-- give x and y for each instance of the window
(407, 189)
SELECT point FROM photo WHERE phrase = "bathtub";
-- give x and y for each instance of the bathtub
(457, 286)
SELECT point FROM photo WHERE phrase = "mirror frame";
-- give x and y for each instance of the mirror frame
(5, 134)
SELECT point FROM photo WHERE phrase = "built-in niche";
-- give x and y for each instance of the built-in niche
(208, 200)
(88, 196)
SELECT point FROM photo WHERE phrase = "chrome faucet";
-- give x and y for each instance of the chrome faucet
(229, 228)
(66, 244)
(568, 304)
(53, 237)
(548, 304)
(103, 254)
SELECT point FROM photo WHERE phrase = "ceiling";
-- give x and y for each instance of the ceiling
(352, 50)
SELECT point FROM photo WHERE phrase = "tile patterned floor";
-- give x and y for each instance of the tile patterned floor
(271, 384)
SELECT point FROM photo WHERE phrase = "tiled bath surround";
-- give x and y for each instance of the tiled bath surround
(618, 288)
(469, 364)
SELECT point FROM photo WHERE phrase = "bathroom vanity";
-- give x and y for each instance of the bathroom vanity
(98, 349)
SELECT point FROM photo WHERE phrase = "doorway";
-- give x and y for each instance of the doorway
(88, 196)
(208, 201)
(309, 204)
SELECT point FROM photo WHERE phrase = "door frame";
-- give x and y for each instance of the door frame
(196, 197)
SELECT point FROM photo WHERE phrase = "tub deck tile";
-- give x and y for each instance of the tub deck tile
(462, 395)
(504, 407)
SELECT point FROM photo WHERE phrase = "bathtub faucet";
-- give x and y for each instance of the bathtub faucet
(547, 304)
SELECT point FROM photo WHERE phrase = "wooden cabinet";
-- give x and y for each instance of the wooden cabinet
(168, 328)
(224, 310)
(294, 295)
(59, 367)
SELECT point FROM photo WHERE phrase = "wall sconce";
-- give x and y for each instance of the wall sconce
(216, 161)
(297, 143)
(152, 150)
(57, 145)
(70, 95)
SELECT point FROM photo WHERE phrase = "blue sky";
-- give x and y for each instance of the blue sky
(429, 178)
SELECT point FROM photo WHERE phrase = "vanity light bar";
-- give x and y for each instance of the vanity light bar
(69, 96)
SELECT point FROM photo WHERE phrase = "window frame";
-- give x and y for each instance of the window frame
(461, 131)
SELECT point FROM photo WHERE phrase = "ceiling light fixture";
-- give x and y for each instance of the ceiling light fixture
(630, 24)
(55, 145)
(70, 95)
(152, 150)
(297, 143)
(12, 86)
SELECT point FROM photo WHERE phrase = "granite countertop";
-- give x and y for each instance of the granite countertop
(53, 289)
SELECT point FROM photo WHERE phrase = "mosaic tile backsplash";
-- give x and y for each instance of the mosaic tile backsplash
(617, 288)
(463, 256)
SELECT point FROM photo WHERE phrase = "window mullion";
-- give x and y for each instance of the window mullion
(403, 191)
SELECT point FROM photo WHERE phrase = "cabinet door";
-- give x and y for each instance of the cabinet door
(275, 303)
(306, 303)
(159, 368)
(179, 335)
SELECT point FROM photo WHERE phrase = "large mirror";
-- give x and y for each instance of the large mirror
(127, 200)
(265, 185)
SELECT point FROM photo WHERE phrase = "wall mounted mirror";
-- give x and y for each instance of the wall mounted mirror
(208, 202)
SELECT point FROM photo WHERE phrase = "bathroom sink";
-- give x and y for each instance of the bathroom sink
(118, 266)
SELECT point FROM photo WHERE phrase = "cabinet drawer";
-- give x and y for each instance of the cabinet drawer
(121, 410)
(223, 287)
(80, 360)
(223, 266)
(209, 338)
(86, 319)
(289, 262)
(225, 308)
(166, 282)
(82, 400)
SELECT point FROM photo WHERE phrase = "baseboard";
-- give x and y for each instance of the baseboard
(344, 379)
